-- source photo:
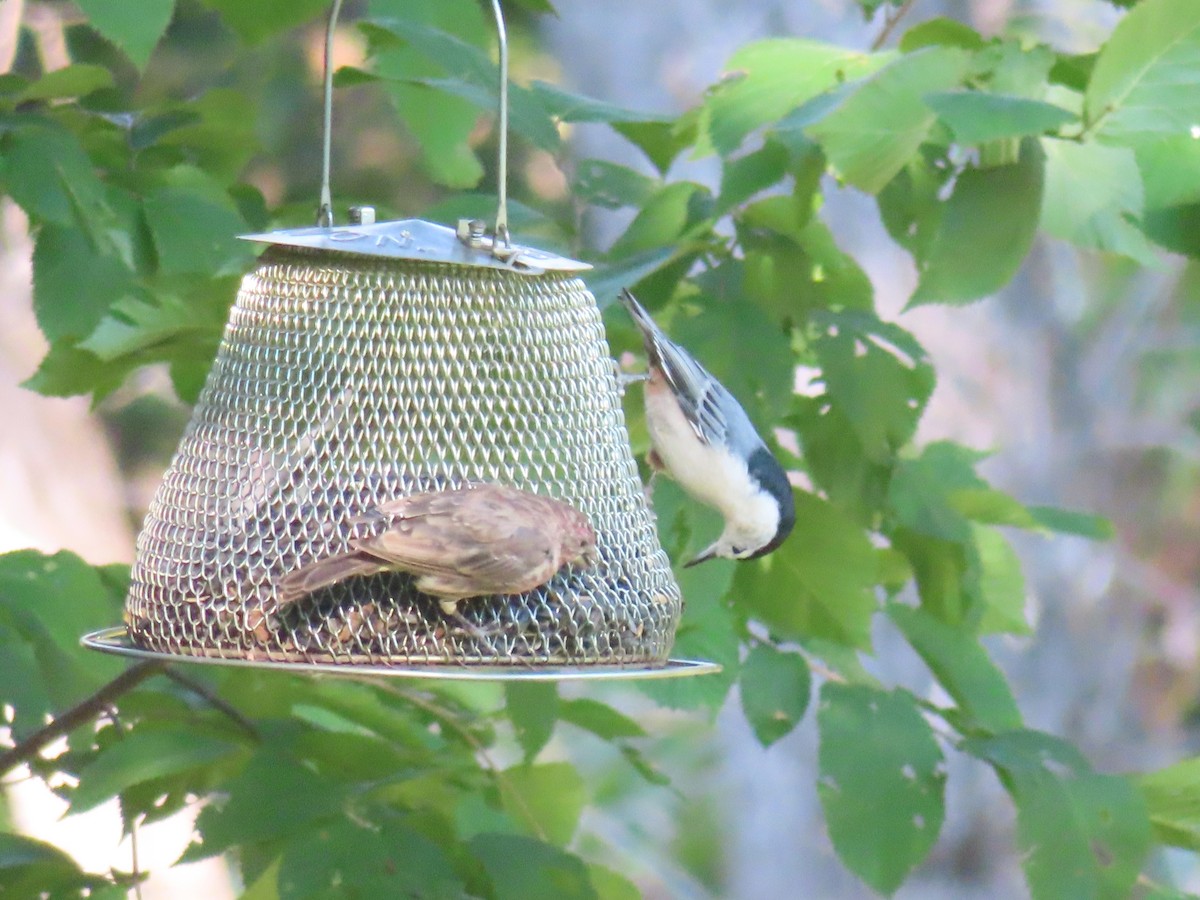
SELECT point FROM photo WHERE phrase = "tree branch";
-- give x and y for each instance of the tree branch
(77, 715)
(891, 20)
(202, 691)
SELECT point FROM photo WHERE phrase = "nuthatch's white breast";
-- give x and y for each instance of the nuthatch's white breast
(704, 440)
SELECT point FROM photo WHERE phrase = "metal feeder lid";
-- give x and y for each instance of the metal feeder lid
(417, 239)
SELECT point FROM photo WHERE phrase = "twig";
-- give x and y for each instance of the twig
(891, 20)
(202, 691)
(502, 782)
(136, 871)
(79, 714)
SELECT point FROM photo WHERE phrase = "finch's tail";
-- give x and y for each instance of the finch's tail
(323, 573)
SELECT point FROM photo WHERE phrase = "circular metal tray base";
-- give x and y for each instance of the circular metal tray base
(116, 641)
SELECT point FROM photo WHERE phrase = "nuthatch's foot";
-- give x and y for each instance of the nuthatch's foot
(625, 379)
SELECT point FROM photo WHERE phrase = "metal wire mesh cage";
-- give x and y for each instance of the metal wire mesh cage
(344, 381)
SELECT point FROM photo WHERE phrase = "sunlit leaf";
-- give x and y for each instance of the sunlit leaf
(1146, 81)
(872, 133)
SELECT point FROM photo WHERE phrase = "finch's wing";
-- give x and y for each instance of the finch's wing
(490, 536)
(702, 398)
(491, 567)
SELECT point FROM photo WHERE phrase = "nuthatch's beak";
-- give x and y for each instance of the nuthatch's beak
(708, 554)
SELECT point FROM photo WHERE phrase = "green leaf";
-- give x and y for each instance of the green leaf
(772, 77)
(1176, 228)
(661, 220)
(606, 280)
(137, 327)
(566, 106)
(870, 135)
(552, 795)
(747, 351)
(793, 265)
(533, 710)
(976, 117)
(660, 141)
(599, 718)
(49, 601)
(984, 233)
(255, 22)
(1080, 834)
(819, 583)
(49, 175)
(961, 666)
(911, 206)
(941, 32)
(274, 796)
(774, 687)
(1172, 798)
(217, 132)
(751, 173)
(882, 781)
(134, 27)
(707, 631)
(1093, 197)
(65, 307)
(1001, 584)
(1069, 522)
(921, 490)
(1146, 81)
(195, 226)
(33, 868)
(611, 886)
(346, 859)
(878, 376)
(67, 371)
(441, 123)
(142, 755)
(75, 80)
(611, 186)
(522, 868)
(1170, 169)
(836, 460)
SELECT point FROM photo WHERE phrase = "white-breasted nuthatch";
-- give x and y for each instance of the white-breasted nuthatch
(704, 440)
(476, 540)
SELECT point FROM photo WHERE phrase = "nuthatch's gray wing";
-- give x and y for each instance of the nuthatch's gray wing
(703, 400)
(476, 540)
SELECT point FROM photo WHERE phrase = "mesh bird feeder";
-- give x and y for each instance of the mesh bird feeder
(369, 361)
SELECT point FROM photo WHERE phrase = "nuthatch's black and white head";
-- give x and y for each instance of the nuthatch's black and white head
(704, 440)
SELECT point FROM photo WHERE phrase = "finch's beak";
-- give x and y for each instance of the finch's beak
(591, 558)
(708, 554)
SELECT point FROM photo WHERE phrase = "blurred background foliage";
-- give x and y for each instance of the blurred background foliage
(139, 137)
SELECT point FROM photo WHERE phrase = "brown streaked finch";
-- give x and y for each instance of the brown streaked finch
(477, 540)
